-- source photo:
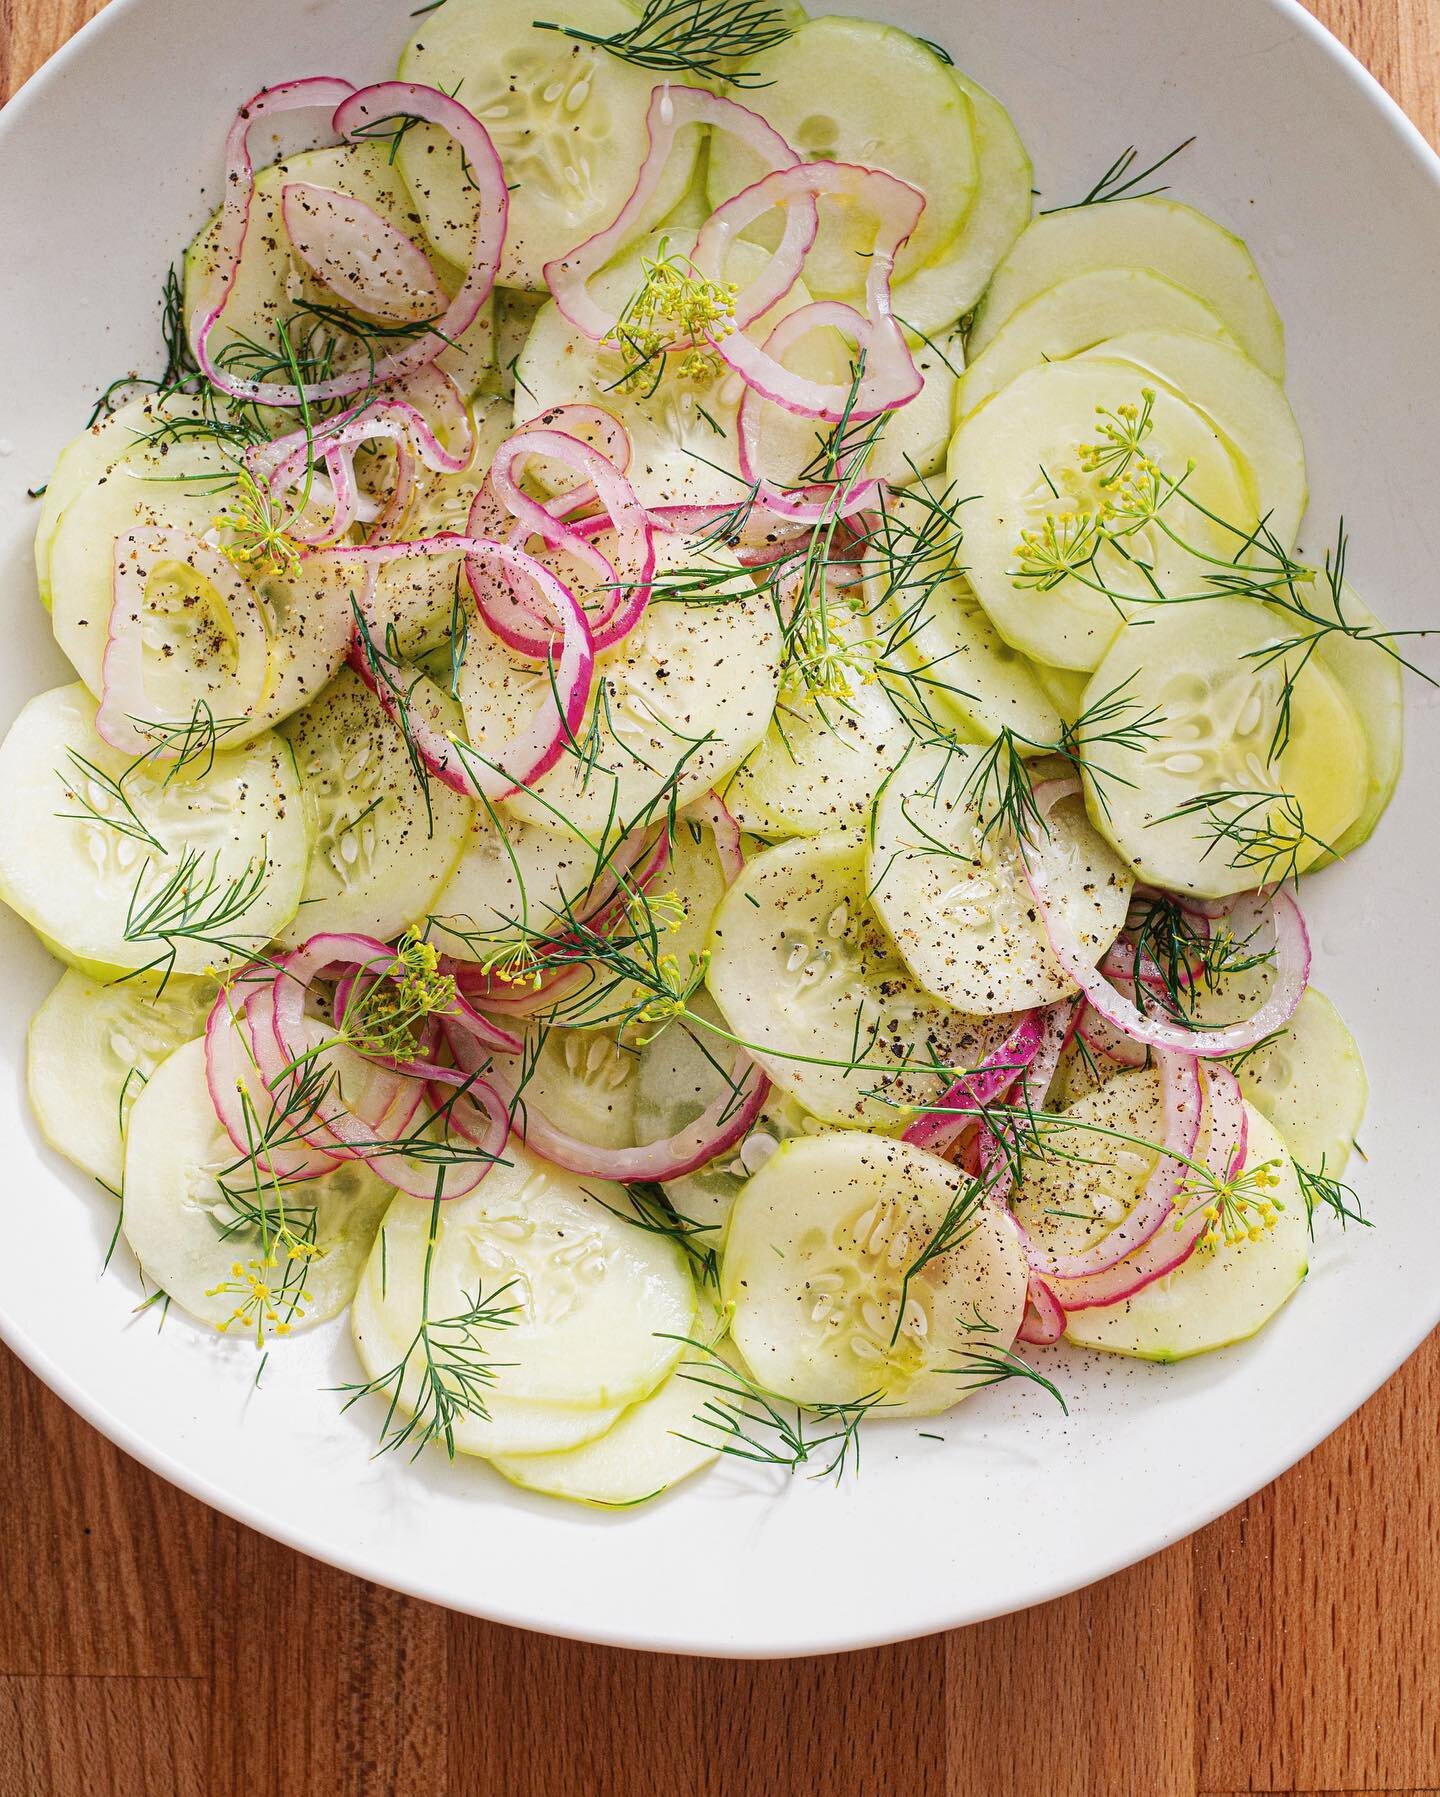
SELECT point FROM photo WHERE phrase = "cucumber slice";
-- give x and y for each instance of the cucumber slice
(1219, 1295)
(94, 453)
(886, 101)
(1197, 668)
(596, 1296)
(655, 1444)
(941, 652)
(383, 844)
(567, 119)
(273, 285)
(1086, 1181)
(183, 485)
(915, 437)
(1152, 233)
(950, 888)
(816, 1254)
(691, 684)
(1310, 1082)
(512, 880)
(1374, 683)
(684, 432)
(91, 1048)
(1064, 687)
(1020, 454)
(1245, 405)
(586, 1079)
(948, 287)
(85, 871)
(1077, 314)
(805, 975)
(192, 1215)
(825, 755)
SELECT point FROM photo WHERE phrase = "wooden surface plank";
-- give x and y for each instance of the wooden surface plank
(147, 1645)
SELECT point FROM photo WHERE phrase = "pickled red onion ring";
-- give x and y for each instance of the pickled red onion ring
(354, 110)
(671, 110)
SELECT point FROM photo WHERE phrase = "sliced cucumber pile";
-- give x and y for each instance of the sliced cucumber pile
(189, 636)
(677, 705)
(567, 119)
(880, 876)
(946, 880)
(1222, 1293)
(893, 105)
(1309, 1081)
(1212, 808)
(384, 843)
(1159, 235)
(277, 284)
(235, 1251)
(594, 1302)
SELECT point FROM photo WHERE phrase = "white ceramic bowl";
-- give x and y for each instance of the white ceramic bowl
(107, 163)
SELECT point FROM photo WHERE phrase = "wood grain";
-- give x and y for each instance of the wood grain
(150, 1646)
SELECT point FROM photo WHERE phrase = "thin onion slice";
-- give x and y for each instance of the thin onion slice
(671, 110)
(889, 377)
(723, 1123)
(360, 256)
(355, 112)
(1291, 961)
(981, 1086)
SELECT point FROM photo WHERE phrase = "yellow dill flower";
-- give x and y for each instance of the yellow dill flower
(1236, 1210)
(382, 1019)
(1063, 545)
(674, 309)
(676, 987)
(256, 522)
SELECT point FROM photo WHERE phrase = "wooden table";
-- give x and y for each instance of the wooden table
(150, 1646)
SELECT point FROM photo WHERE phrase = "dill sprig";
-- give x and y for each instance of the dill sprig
(1323, 1191)
(84, 782)
(1263, 829)
(693, 37)
(1121, 180)
(651, 1210)
(450, 1361)
(747, 1422)
(1177, 960)
(193, 904)
(959, 1221)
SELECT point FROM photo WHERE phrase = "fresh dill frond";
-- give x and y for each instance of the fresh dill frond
(651, 1210)
(94, 792)
(747, 1422)
(989, 1364)
(1122, 179)
(703, 38)
(193, 904)
(1323, 1191)
(450, 1363)
(1263, 830)
(1177, 959)
(958, 1222)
